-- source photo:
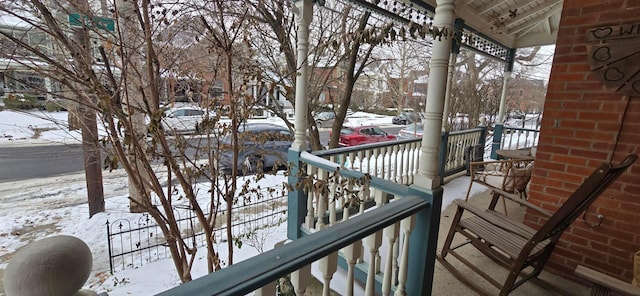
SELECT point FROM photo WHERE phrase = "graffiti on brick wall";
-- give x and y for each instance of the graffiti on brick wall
(614, 57)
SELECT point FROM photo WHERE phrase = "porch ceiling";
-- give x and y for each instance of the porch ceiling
(513, 23)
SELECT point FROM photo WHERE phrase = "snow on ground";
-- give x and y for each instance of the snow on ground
(38, 208)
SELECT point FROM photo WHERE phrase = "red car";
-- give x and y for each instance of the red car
(352, 136)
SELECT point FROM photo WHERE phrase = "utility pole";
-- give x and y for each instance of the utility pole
(88, 123)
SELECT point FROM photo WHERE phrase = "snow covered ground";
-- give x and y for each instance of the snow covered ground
(38, 208)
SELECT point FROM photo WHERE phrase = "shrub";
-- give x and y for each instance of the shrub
(21, 102)
(54, 106)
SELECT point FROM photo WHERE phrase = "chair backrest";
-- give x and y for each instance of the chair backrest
(590, 189)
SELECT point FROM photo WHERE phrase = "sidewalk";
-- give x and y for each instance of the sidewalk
(444, 283)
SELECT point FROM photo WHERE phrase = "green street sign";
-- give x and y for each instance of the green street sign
(76, 20)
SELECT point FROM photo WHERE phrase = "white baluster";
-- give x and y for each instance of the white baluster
(396, 268)
(391, 234)
(412, 161)
(301, 279)
(376, 162)
(267, 290)
(394, 176)
(373, 242)
(322, 200)
(383, 155)
(401, 162)
(351, 254)
(381, 199)
(333, 197)
(407, 226)
(328, 266)
(352, 158)
(368, 155)
(309, 219)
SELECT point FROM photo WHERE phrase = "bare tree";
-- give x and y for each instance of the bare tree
(342, 41)
(479, 82)
(401, 64)
(123, 79)
(476, 89)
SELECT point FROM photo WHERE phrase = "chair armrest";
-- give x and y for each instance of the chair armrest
(488, 168)
(517, 199)
(606, 281)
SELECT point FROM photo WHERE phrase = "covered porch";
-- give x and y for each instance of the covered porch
(375, 211)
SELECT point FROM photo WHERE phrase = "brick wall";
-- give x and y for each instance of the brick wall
(579, 130)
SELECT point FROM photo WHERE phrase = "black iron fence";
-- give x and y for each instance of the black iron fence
(132, 243)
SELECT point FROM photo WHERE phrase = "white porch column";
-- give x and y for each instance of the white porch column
(503, 97)
(447, 93)
(428, 169)
(303, 10)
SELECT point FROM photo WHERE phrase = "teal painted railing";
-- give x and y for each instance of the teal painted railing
(453, 146)
(407, 216)
(513, 138)
(368, 182)
(330, 194)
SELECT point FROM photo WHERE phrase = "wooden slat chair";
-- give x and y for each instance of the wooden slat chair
(520, 249)
(510, 175)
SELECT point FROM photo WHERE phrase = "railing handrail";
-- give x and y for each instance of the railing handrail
(271, 265)
(342, 150)
(466, 131)
(524, 129)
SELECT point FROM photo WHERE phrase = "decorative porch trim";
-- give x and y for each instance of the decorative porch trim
(421, 14)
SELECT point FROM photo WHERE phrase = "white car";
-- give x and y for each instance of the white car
(411, 131)
(183, 120)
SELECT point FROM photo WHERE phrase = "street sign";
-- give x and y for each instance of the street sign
(76, 20)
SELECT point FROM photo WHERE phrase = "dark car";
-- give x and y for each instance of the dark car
(406, 118)
(352, 136)
(263, 146)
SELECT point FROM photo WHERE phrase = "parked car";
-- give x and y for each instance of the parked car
(324, 119)
(352, 136)
(406, 118)
(411, 131)
(183, 120)
(263, 146)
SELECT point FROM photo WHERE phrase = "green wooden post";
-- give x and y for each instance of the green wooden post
(297, 199)
(497, 138)
(442, 158)
(423, 242)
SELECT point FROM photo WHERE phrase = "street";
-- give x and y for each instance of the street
(39, 161)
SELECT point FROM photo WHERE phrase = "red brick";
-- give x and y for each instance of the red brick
(600, 96)
(599, 116)
(578, 68)
(579, 105)
(625, 245)
(585, 86)
(573, 238)
(589, 153)
(616, 214)
(580, 171)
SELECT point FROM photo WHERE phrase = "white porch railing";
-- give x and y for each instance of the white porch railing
(356, 239)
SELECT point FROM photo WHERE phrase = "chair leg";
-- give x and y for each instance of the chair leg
(469, 190)
(452, 231)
